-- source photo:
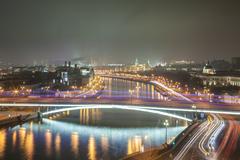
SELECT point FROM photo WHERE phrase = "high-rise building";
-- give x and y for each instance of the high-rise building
(221, 65)
(136, 62)
(236, 63)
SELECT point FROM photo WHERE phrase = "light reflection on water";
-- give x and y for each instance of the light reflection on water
(58, 145)
(2, 143)
(64, 138)
(92, 148)
(48, 142)
(134, 144)
(74, 143)
(120, 88)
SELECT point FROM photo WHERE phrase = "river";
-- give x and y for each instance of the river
(90, 134)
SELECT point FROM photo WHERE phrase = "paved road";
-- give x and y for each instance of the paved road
(216, 138)
(200, 142)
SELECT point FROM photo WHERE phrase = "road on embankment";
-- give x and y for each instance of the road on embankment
(215, 138)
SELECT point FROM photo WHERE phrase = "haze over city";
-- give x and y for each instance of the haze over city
(118, 31)
(119, 79)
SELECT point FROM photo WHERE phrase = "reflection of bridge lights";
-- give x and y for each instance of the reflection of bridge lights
(74, 133)
(29, 145)
(105, 147)
(58, 144)
(134, 145)
(14, 139)
(75, 143)
(92, 148)
(114, 135)
(22, 136)
(145, 137)
(2, 143)
(48, 142)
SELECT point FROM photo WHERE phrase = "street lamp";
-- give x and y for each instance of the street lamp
(195, 107)
(137, 90)
(166, 124)
(131, 91)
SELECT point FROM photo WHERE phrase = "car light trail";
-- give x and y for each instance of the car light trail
(171, 91)
(209, 133)
(190, 143)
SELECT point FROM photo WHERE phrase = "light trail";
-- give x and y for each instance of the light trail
(190, 143)
(212, 141)
(203, 137)
(196, 110)
(209, 133)
(171, 90)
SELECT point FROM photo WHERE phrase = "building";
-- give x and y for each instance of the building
(208, 69)
(221, 65)
(220, 79)
(69, 75)
(139, 67)
(87, 74)
(236, 63)
(113, 68)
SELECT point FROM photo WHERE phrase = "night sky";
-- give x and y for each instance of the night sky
(118, 31)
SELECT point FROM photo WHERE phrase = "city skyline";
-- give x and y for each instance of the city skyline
(119, 79)
(119, 31)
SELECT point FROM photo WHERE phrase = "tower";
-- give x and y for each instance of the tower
(136, 62)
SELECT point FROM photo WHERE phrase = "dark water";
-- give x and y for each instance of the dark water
(90, 134)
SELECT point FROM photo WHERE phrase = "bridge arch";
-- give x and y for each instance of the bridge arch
(124, 107)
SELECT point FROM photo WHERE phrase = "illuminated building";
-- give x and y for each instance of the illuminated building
(208, 69)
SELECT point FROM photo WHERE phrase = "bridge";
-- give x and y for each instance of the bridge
(120, 98)
(150, 109)
(117, 91)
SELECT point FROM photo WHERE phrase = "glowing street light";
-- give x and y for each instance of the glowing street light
(195, 107)
(166, 124)
(131, 91)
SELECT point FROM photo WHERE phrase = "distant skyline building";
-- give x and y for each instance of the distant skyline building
(236, 63)
(221, 65)
(208, 69)
(136, 62)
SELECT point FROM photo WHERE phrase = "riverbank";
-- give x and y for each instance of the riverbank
(8, 118)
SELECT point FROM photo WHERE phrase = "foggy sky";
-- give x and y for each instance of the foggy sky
(118, 31)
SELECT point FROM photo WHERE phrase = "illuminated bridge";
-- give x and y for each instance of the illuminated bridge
(116, 95)
(57, 108)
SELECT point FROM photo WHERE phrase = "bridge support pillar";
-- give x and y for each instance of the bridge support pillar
(39, 115)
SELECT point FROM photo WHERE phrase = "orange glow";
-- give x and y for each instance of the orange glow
(75, 143)
(22, 135)
(29, 145)
(14, 138)
(134, 145)
(92, 149)
(48, 141)
(58, 144)
(105, 147)
(2, 143)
